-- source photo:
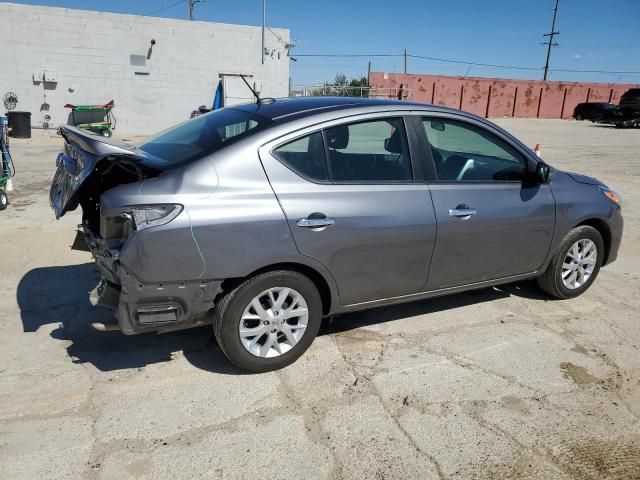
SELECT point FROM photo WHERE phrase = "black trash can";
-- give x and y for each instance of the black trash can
(20, 124)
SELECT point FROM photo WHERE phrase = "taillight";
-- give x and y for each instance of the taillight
(117, 226)
(147, 216)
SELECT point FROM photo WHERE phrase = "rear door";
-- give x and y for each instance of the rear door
(356, 203)
(491, 224)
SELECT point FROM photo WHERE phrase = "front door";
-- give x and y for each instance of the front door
(491, 225)
(351, 201)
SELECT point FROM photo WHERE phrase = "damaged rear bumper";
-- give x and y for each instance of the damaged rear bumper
(147, 307)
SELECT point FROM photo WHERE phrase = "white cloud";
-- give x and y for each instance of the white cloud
(577, 55)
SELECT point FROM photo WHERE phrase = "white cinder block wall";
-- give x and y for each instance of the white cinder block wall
(89, 53)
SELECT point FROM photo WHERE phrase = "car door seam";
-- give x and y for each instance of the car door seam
(293, 237)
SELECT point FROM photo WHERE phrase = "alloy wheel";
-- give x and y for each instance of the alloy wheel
(579, 264)
(273, 322)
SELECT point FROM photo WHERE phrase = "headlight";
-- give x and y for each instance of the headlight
(611, 195)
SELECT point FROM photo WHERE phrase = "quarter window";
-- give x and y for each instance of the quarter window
(374, 151)
(464, 153)
(305, 156)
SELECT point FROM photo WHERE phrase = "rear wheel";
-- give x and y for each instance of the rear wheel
(576, 264)
(579, 117)
(4, 200)
(106, 133)
(268, 321)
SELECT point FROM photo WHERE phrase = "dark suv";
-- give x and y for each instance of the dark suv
(596, 111)
(630, 102)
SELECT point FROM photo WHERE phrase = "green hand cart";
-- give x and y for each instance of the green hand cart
(95, 118)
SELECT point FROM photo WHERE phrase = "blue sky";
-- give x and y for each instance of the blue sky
(594, 35)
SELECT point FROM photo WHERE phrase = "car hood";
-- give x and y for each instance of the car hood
(84, 154)
(584, 179)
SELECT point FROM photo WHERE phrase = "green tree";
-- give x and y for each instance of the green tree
(343, 87)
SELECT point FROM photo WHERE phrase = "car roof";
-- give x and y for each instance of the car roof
(287, 109)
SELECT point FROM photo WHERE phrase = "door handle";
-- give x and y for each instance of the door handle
(462, 211)
(315, 222)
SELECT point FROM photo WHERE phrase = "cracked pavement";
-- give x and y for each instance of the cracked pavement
(495, 383)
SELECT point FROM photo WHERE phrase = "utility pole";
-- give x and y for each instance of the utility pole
(550, 43)
(405, 61)
(192, 4)
(369, 74)
(264, 25)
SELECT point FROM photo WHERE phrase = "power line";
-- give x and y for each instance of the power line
(347, 55)
(460, 62)
(438, 59)
(592, 71)
(475, 64)
(164, 8)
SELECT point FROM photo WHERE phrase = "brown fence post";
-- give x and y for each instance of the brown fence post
(539, 103)
(515, 99)
(461, 96)
(486, 113)
(564, 99)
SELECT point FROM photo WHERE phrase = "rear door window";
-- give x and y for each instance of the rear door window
(305, 156)
(364, 152)
(372, 152)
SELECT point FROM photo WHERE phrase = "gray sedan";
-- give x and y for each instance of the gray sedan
(262, 218)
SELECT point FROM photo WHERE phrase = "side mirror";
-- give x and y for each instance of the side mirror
(542, 172)
(437, 125)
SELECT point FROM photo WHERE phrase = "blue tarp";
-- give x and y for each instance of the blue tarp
(218, 101)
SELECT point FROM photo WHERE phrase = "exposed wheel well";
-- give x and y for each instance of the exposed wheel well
(604, 231)
(318, 280)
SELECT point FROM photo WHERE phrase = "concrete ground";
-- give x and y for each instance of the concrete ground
(497, 383)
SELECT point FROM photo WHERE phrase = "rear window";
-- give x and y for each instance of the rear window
(202, 135)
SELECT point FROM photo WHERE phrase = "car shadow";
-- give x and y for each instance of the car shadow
(60, 296)
(351, 321)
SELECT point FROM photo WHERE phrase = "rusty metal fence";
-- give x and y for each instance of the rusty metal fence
(495, 97)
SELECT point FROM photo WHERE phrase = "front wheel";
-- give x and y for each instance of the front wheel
(576, 264)
(4, 200)
(268, 321)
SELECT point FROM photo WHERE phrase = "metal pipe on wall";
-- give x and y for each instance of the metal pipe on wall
(264, 26)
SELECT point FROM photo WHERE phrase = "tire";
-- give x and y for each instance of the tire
(106, 133)
(551, 281)
(229, 312)
(4, 200)
(579, 118)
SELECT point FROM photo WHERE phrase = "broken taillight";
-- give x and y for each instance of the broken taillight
(117, 226)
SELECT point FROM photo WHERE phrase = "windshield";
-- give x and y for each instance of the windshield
(202, 135)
